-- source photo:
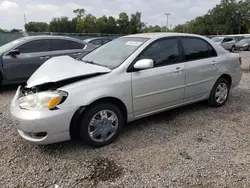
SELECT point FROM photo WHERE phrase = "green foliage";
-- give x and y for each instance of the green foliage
(229, 17)
(36, 27)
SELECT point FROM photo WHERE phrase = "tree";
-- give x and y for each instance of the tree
(112, 25)
(15, 30)
(63, 25)
(101, 24)
(36, 27)
(80, 13)
(123, 23)
(136, 24)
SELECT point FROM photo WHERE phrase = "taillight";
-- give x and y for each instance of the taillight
(240, 61)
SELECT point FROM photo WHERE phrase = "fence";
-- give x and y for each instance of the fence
(8, 37)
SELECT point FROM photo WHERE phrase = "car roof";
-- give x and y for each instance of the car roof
(94, 38)
(160, 35)
(48, 37)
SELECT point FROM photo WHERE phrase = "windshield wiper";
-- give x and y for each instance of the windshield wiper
(90, 62)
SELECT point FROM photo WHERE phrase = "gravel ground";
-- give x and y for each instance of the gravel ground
(194, 146)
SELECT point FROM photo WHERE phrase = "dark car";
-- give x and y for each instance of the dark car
(99, 41)
(244, 44)
(19, 59)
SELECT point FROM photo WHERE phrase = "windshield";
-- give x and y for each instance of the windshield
(217, 39)
(244, 41)
(9, 46)
(114, 53)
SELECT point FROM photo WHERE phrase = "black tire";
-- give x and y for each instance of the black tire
(212, 98)
(232, 49)
(89, 114)
(248, 48)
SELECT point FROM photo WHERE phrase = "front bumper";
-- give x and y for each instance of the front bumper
(41, 126)
(240, 48)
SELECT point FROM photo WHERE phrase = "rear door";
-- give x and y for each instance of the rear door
(163, 86)
(201, 67)
(60, 47)
(32, 55)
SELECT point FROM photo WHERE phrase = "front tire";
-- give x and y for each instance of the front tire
(220, 92)
(232, 49)
(101, 124)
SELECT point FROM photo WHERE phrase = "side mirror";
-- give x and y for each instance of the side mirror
(14, 52)
(144, 64)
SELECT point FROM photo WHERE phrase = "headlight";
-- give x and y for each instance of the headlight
(46, 100)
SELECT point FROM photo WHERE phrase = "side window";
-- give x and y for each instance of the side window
(163, 52)
(58, 44)
(96, 42)
(195, 48)
(230, 39)
(34, 46)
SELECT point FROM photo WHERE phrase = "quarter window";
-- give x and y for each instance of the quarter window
(163, 52)
(195, 48)
(34, 46)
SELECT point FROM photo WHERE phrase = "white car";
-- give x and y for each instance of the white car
(226, 42)
(127, 79)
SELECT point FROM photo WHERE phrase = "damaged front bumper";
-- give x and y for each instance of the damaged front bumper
(41, 126)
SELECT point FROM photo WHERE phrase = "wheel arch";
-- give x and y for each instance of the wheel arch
(227, 77)
(74, 126)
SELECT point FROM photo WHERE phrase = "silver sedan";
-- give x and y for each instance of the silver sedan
(127, 79)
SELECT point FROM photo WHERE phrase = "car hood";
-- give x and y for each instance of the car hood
(63, 68)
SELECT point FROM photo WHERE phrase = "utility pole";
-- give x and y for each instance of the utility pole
(167, 14)
(24, 21)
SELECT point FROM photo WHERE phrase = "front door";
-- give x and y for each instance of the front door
(156, 89)
(32, 55)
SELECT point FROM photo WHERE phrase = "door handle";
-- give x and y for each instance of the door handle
(44, 57)
(77, 53)
(214, 63)
(178, 69)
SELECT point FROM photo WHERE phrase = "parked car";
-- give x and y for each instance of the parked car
(94, 97)
(98, 41)
(19, 59)
(238, 38)
(226, 42)
(244, 44)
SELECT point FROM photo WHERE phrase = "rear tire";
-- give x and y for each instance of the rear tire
(97, 128)
(220, 92)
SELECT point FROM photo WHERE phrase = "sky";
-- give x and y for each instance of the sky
(12, 11)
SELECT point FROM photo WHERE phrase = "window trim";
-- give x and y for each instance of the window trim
(51, 50)
(193, 37)
(131, 68)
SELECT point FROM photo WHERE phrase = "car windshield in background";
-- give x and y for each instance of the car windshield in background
(9, 45)
(217, 39)
(114, 53)
(244, 41)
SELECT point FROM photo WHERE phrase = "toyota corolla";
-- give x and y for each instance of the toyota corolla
(127, 79)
